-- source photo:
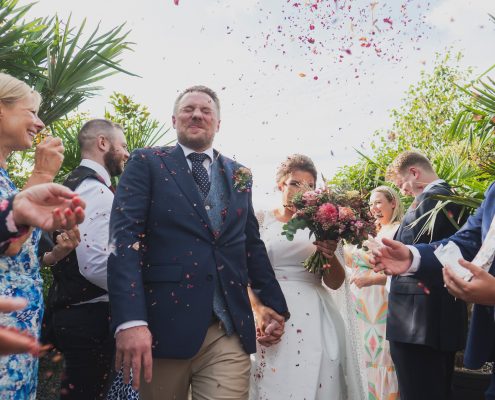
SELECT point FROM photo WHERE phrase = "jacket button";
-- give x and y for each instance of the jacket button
(209, 277)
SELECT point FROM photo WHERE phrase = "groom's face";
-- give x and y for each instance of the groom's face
(196, 121)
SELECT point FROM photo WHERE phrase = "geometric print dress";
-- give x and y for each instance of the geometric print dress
(20, 277)
(371, 307)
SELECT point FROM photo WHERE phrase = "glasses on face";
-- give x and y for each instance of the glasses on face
(299, 185)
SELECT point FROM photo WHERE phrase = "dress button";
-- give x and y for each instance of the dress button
(207, 207)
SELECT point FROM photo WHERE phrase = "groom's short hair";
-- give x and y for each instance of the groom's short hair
(404, 161)
(202, 89)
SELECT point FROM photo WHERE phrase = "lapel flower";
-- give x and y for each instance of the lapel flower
(243, 179)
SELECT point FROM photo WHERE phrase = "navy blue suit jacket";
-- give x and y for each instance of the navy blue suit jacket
(166, 254)
(434, 319)
(481, 336)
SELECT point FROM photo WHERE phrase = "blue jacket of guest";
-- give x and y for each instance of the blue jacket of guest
(167, 255)
(481, 337)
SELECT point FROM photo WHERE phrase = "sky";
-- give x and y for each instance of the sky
(316, 77)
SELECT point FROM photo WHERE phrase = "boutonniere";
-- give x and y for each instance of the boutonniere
(243, 179)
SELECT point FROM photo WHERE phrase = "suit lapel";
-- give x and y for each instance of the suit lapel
(227, 169)
(176, 163)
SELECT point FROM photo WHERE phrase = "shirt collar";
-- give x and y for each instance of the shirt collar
(187, 151)
(98, 168)
(434, 183)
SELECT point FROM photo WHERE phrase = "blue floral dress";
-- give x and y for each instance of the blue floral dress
(20, 277)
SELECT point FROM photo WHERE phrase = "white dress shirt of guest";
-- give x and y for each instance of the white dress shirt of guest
(93, 251)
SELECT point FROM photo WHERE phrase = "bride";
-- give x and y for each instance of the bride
(314, 359)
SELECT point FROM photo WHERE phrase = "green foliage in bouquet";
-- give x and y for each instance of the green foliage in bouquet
(330, 214)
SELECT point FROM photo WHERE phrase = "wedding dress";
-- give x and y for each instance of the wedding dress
(317, 357)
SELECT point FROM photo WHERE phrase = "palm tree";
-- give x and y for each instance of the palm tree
(52, 57)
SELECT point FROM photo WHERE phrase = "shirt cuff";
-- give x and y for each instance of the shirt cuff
(388, 283)
(415, 262)
(130, 324)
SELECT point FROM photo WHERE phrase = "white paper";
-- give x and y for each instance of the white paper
(484, 258)
(449, 255)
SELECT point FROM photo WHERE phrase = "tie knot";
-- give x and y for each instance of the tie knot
(198, 157)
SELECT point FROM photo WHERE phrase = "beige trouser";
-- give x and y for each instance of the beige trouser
(220, 371)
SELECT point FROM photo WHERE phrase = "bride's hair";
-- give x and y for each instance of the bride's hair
(296, 162)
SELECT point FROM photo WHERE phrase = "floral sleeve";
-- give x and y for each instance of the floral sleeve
(8, 229)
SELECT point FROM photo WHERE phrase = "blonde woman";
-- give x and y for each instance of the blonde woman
(371, 298)
(19, 267)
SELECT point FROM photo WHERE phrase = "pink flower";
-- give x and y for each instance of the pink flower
(327, 214)
(346, 214)
(310, 198)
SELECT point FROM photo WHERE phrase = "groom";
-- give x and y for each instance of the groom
(185, 246)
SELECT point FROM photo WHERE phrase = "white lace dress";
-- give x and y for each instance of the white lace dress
(313, 360)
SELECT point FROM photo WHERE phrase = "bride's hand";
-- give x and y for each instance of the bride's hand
(270, 325)
(327, 248)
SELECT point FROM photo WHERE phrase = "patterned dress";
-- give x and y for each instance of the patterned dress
(371, 307)
(20, 277)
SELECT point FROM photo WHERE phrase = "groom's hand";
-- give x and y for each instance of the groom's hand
(270, 325)
(133, 351)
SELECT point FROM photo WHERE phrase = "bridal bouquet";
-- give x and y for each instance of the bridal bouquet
(330, 214)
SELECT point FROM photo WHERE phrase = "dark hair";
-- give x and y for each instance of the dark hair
(201, 89)
(296, 162)
(91, 129)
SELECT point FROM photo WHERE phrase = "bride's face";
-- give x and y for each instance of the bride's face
(295, 182)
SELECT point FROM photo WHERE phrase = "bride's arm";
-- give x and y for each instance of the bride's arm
(334, 276)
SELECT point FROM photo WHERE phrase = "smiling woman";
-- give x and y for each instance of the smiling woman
(19, 268)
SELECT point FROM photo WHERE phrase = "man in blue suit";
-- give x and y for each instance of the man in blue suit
(185, 246)
(395, 259)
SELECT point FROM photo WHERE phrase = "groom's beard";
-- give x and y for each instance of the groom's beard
(197, 143)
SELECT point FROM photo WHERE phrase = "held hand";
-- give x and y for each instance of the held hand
(394, 258)
(270, 325)
(327, 248)
(133, 351)
(273, 334)
(49, 206)
(480, 290)
(48, 157)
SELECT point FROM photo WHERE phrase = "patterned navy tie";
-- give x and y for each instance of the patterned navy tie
(199, 172)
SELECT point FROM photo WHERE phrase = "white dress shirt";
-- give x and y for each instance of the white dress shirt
(92, 253)
(415, 252)
(207, 164)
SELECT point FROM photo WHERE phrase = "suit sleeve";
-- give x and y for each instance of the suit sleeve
(128, 221)
(468, 238)
(261, 276)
